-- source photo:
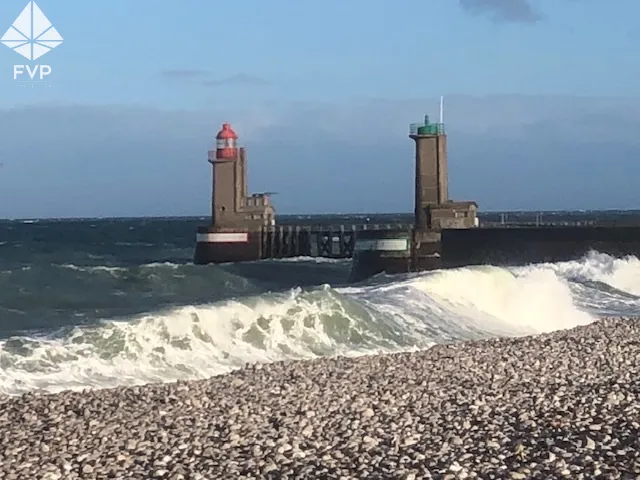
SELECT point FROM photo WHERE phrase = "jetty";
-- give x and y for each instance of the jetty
(441, 233)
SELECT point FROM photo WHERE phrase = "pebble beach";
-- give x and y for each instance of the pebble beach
(558, 405)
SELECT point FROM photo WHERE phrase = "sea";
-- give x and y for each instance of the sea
(98, 303)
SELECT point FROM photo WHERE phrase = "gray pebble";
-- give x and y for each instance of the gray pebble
(563, 404)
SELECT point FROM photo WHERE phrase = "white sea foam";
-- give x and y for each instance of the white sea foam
(104, 268)
(400, 313)
(620, 273)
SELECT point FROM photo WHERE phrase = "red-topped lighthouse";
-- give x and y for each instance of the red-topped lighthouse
(226, 143)
(237, 219)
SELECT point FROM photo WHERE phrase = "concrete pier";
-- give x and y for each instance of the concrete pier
(447, 233)
(381, 251)
(433, 212)
(215, 245)
(237, 219)
(521, 246)
(243, 227)
(444, 233)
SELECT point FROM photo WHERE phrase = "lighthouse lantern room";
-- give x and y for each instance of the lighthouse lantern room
(226, 143)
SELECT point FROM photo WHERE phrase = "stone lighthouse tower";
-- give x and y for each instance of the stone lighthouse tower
(434, 210)
(229, 179)
(432, 185)
(230, 205)
(237, 219)
(400, 251)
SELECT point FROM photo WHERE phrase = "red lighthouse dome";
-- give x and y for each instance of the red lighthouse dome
(226, 143)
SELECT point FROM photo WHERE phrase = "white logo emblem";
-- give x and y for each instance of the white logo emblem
(32, 34)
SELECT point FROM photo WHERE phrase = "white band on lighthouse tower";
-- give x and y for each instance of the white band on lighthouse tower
(222, 237)
(383, 244)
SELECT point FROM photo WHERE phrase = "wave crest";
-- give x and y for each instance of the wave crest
(401, 313)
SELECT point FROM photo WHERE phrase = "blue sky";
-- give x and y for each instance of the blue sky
(543, 103)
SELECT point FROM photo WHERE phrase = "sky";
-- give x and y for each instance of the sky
(542, 104)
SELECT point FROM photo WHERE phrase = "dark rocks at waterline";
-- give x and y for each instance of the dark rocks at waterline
(560, 405)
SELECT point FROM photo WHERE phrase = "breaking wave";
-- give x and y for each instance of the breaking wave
(395, 313)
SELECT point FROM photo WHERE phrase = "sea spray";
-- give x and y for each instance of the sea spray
(390, 314)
